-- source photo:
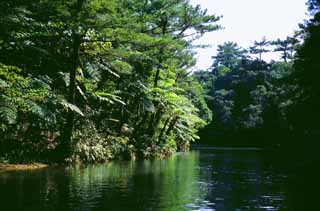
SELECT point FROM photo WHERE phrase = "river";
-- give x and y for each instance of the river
(220, 179)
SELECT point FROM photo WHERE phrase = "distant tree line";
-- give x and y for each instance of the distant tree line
(273, 104)
(248, 96)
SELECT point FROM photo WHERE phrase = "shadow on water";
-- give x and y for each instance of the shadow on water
(147, 185)
(205, 179)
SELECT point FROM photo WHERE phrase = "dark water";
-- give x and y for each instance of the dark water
(205, 179)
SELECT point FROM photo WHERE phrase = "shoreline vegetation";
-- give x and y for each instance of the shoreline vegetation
(97, 80)
(94, 81)
(5, 167)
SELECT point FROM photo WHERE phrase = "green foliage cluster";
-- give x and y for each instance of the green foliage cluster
(250, 98)
(96, 80)
(258, 103)
(305, 114)
(265, 104)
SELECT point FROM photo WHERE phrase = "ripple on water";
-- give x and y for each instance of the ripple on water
(219, 199)
(194, 182)
(201, 204)
(268, 208)
(190, 205)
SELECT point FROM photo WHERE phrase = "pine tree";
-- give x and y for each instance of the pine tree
(286, 47)
(229, 55)
(260, 47)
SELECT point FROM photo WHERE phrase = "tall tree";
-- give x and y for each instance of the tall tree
(114, 70)
(286, 47)
(260, 47)
(305, 113)
(229, 54)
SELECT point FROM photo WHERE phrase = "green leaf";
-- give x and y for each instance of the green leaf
(9, 114)
(109, 97)
(73, 107)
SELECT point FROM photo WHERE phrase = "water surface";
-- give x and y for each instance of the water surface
(204, 179)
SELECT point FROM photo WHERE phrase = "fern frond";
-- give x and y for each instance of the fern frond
(8, 115)
(72, 107)
(110, 98)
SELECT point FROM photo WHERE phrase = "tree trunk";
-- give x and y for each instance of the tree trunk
(285, 56)
(154, 120)
(68, 127)
(156, 79)
(260, 56)
(164, 128)
(164, 22)
(172, 124)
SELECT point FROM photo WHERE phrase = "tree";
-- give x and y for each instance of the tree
(228, 55)
(116, 71)
(305, 113)
(259, 47)
(286, 47)
(176, 23)
(249, 101)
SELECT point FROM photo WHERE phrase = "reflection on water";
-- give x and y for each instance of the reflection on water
(208, 179)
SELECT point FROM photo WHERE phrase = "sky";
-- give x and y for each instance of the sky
(245, 21)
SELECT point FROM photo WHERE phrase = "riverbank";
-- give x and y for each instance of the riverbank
(17, 167)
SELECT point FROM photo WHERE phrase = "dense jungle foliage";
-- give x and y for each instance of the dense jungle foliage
(249, 96)
(93, 80)
(273, 104)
